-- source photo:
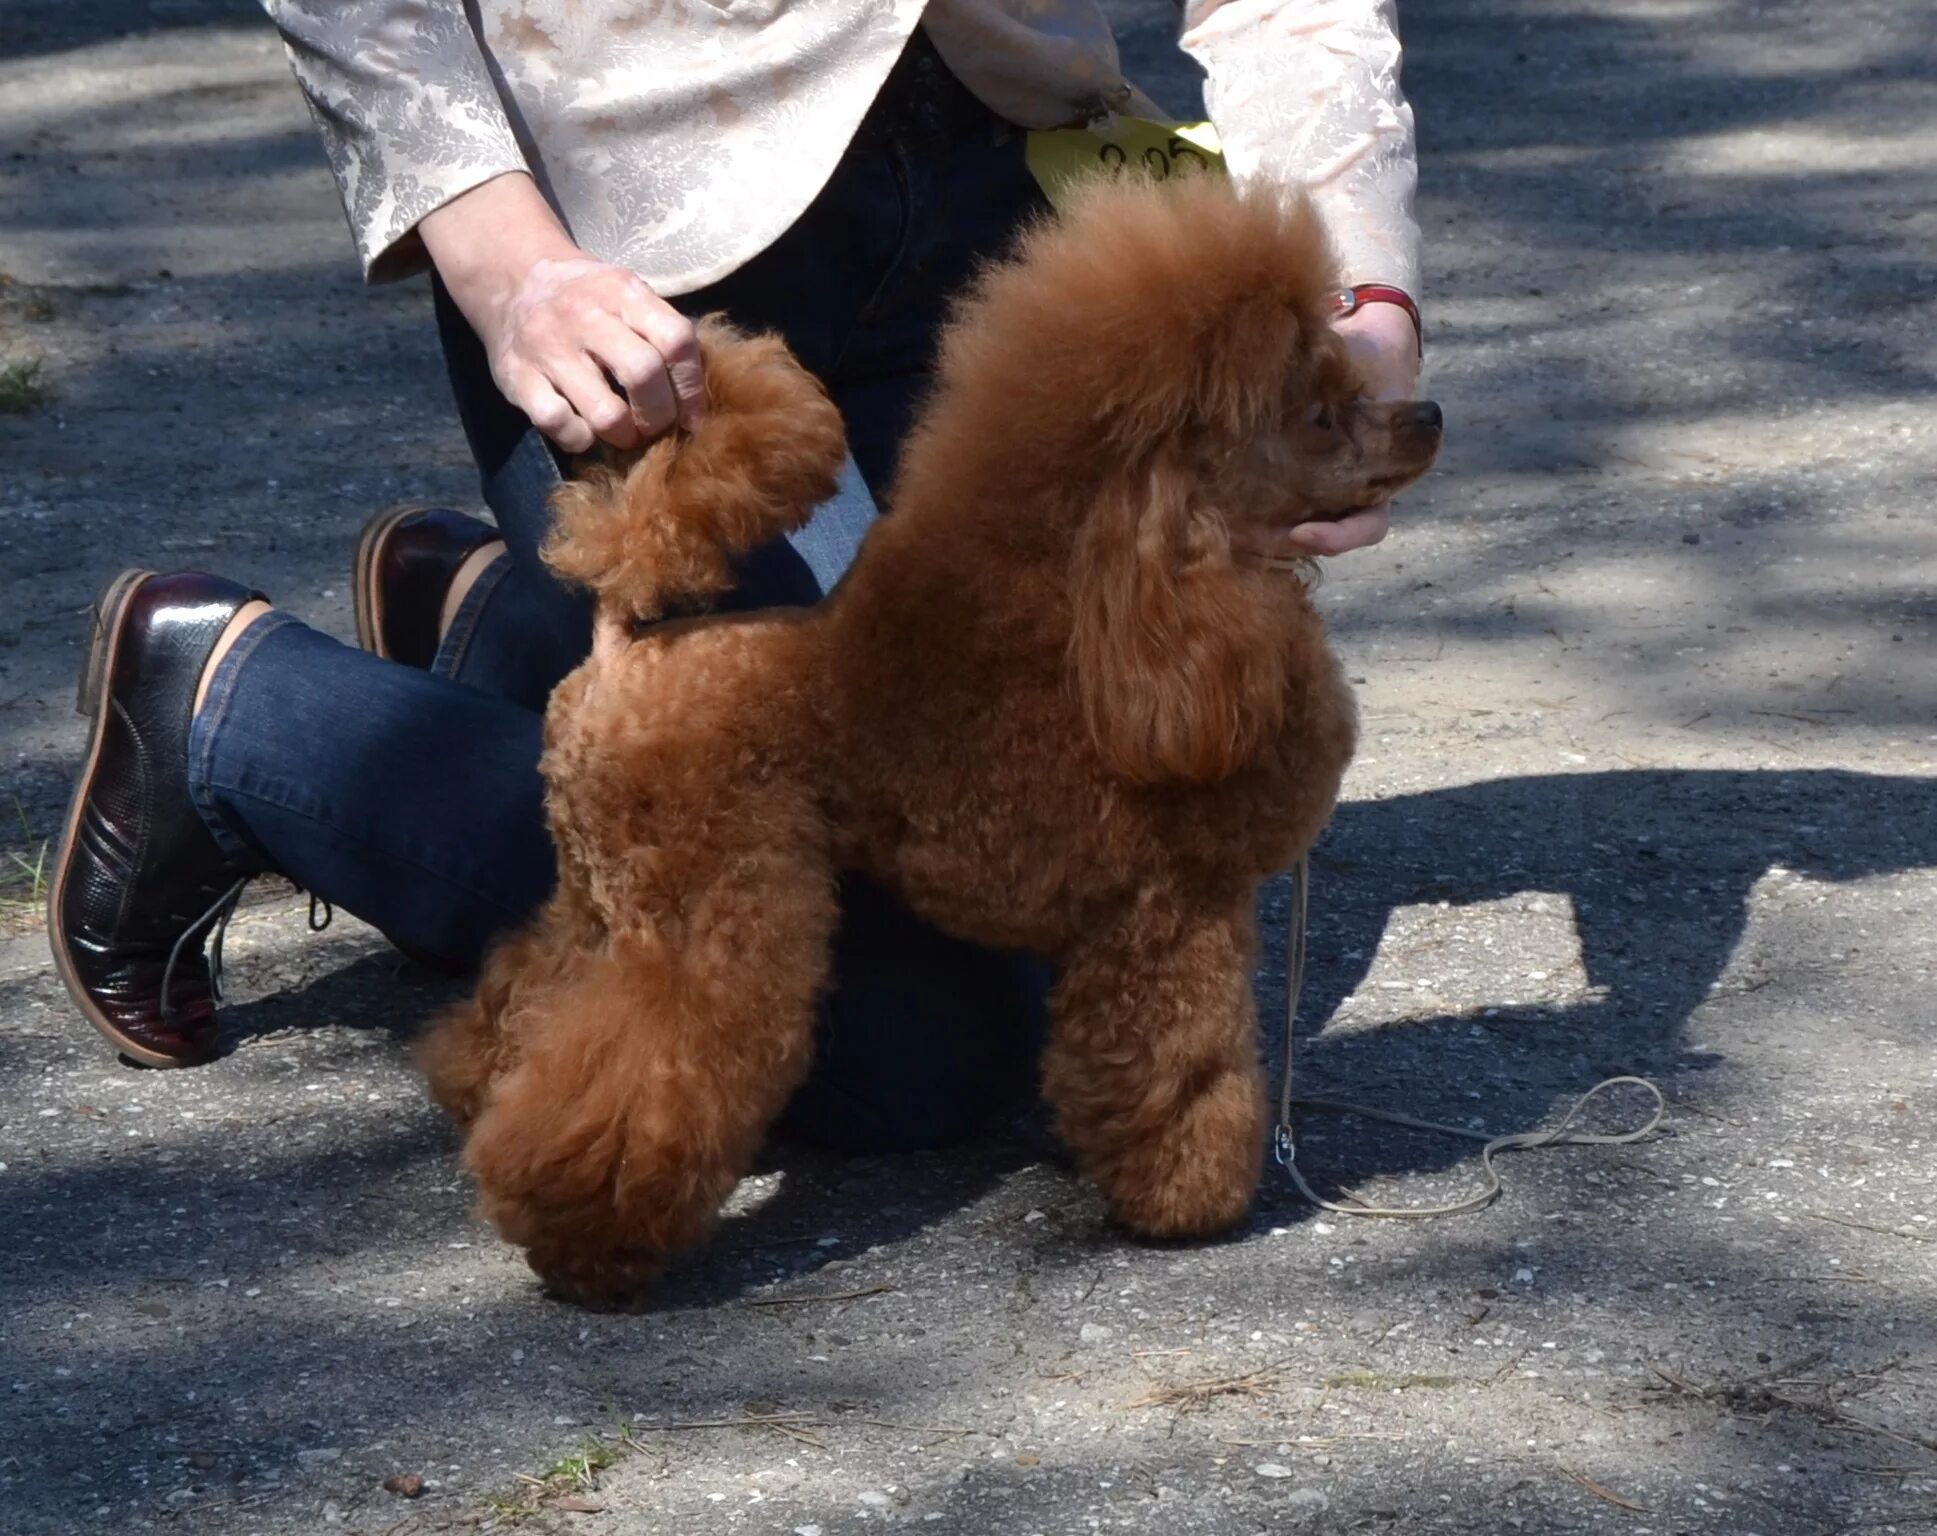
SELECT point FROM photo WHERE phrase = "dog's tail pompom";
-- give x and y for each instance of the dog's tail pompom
(766, 453)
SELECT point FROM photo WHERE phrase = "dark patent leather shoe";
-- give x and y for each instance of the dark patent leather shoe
(406, 559)
(140, 884)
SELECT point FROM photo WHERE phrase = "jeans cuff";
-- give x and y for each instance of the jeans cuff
(207, 726)
(456, 642)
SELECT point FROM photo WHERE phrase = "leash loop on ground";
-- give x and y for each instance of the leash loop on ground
(1284, 1142)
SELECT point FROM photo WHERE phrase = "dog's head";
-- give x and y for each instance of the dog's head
(1170, 352)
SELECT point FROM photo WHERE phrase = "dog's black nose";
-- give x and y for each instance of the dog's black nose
(1425, 413)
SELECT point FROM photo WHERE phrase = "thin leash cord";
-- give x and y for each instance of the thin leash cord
(1285, 1146)
(214, 924)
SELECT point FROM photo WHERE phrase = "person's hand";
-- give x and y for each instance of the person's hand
(1386, 348)
(573, 326)
(565, 333)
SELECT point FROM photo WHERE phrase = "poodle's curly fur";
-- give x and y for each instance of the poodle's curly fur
(1050, 707)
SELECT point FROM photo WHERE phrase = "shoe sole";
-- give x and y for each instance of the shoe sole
(365, 597)
(94, 701)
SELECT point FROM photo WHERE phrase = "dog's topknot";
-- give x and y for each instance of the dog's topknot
(1143, 300)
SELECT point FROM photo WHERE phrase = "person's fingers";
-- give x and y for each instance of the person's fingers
(676, 341)
(587, 327)
(641, 372)
(546, 409)
(581, 382)
(1338, 536)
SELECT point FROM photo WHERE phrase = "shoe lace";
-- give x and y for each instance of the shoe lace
(215, 924)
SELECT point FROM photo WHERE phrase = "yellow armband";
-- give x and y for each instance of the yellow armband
(1060, 157)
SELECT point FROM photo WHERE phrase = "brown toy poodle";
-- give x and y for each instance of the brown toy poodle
(1052, 706)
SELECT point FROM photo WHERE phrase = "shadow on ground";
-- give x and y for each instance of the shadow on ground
(1658, 868)
(33, 28)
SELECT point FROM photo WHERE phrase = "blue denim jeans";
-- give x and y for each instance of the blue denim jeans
(413, 799)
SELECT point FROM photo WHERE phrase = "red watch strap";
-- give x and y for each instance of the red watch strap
(1347, 300)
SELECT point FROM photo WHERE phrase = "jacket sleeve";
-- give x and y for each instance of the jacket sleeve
(1306, 92)
(407, 109)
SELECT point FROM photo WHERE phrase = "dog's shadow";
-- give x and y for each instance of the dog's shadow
(1653, 869)
(1656, 866)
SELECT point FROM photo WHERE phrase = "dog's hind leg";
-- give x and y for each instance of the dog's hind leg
(469, 1047)
(649, 1071)
(1152, 1066)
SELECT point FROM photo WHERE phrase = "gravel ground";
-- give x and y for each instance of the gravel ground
(1646, 786)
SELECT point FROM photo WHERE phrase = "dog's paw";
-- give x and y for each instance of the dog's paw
(1197, 1176)
(599, 1280)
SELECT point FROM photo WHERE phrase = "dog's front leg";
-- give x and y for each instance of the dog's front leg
(1152, 1066)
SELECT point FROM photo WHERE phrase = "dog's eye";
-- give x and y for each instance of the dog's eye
(1320, 418)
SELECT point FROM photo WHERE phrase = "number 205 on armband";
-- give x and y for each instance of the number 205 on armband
(1060, 157)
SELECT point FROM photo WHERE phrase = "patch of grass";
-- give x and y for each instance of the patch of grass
(24, 879)
(581, 1468)
(23, 870)
(21, 389)
(572, 1476)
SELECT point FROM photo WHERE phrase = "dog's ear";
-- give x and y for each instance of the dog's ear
(767, 452)
(1180, 675)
